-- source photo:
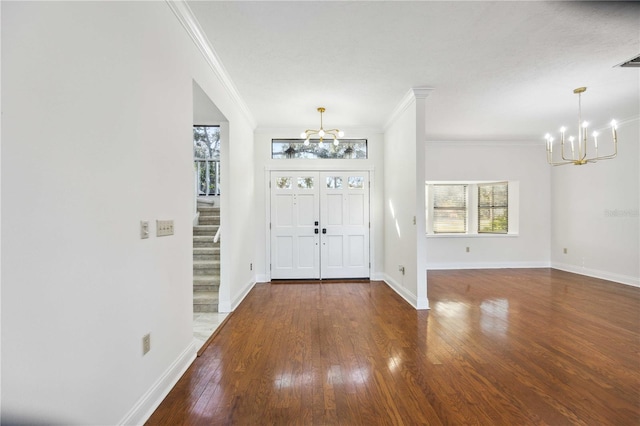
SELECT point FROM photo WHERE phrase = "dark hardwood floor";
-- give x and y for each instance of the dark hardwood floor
(498, 347)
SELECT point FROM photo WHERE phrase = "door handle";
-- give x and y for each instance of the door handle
(315, 230)
(324, 230)
(317, 223)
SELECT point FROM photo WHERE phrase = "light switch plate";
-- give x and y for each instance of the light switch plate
(144, 229)
(164, 228)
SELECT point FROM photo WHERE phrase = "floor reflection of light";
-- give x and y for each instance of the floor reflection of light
(359, 376)
(338, 375)
(289, 380)
(334, 375)
(393, 363)
(494, 319)
(452, 309)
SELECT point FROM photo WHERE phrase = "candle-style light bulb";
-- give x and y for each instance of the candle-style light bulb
(547, 137)
(303, 135)
(571, 139)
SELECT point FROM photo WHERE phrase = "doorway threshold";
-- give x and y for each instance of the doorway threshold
(323, 281)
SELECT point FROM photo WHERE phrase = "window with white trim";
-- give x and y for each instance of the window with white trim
(467, 208)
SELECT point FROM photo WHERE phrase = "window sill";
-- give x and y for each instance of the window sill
(509, 235)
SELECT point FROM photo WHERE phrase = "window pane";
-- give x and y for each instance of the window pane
(206, 142)
(356, 182)
(305, 182)
(449, 208)
(449, 221)
(295, 148)
(334, 182)
(283, 182)
(493, 212)
(490, 195)
(450, 196)
(493, 220)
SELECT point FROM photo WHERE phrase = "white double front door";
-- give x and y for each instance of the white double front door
(319, 225)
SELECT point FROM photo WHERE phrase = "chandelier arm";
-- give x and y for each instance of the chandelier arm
(605, 157)
(570, 160)
(558, 163)
(562, 164)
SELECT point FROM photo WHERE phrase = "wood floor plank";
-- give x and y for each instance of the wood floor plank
(498, 347)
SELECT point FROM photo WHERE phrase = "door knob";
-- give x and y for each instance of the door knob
(324, 230)
(315, 230)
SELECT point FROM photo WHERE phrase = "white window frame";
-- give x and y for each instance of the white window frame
(513, 211)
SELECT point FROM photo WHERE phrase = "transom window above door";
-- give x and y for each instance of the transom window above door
(347, 149)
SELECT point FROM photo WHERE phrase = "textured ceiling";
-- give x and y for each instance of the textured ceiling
(499, 70)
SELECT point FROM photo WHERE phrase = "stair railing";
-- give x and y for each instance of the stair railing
(216, 238)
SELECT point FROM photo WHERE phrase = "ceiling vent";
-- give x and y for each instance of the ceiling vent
(633, 62)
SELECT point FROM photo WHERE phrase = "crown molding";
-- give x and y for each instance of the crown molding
(183, 12)
(413, 94)
(484, 143)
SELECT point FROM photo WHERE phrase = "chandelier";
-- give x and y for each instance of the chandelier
(578, 147)
(321, 133)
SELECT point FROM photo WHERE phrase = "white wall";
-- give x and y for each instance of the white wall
(471, 161)
(403, 170)
(96, 131)
(594, 211)
(264, 163)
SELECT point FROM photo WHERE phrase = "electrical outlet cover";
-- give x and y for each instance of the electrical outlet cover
(146, 344)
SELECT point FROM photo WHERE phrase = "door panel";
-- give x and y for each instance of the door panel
(334, 210)
(344, 213)
(356, 210)
(295, 250)
(356, 250)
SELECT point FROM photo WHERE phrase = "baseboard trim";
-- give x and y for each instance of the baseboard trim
(149, 402)
(232, 305)
(595, 273)
(377, 276)
(405, 294)
(488, 265)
